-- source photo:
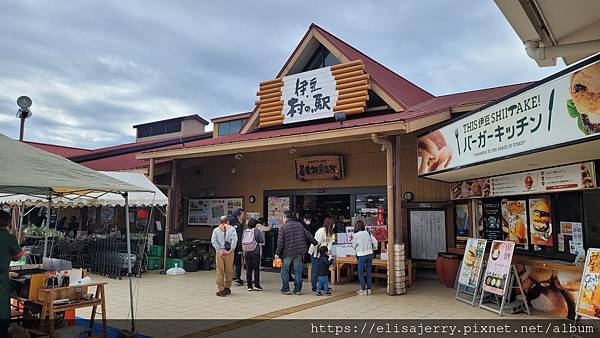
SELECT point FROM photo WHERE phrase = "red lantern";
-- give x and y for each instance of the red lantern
(142, 213)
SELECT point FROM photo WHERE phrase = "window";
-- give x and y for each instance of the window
(159, 128)
(231, 127)
(321, 58)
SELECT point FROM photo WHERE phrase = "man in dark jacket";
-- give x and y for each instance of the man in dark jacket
(291, 246)
(236, 220)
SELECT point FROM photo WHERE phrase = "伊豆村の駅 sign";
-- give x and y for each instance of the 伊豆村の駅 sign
(319, 168)
(563, 110)
(314, 94)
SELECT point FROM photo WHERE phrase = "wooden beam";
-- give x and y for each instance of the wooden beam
(151, 170)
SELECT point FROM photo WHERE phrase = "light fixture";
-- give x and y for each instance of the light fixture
(340, 117)
(408, 196)
(24, 102)
(238, 156)
(233, 171)
(252, 199)
(292, 150)
(383, 147)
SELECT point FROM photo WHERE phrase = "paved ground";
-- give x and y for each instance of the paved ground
(192, 296)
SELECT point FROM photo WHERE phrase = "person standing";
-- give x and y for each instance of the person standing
(324, 262)
(291, 246)
(252, 239)
(364, 243)
(237, 222)
(9, 251)
(224, 239)
(324, 237)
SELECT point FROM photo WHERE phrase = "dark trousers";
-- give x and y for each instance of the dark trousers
(252, 267)
(237, 266)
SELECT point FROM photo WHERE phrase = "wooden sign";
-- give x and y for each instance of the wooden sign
(319, 168)
(315, 94)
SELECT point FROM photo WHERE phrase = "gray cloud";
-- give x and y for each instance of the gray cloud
(94, 69)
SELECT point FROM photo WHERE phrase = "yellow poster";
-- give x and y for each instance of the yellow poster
(588, 303)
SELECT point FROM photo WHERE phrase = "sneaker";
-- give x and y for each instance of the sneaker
(317, 293)
(361, 292)
(288, 292)
(257, 288)
(239, 282)
(297, 293)
(327, 293)
(221, 293)
(250, 288)
(369, 292)
(227, 291)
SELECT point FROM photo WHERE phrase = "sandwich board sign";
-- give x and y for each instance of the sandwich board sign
(470, 271)
(588, 301)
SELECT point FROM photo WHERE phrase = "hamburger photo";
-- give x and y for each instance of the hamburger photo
(585, 98)
(542, 222)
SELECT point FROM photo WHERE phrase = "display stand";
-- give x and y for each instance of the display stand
(589, 281)
(503, 301)
(470, 294)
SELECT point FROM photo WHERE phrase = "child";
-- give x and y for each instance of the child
(323, 265)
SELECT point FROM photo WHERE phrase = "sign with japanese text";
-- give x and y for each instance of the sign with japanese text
(319, 168)
(563, 110)
(427, 233)
(309, 96)
(208, 211)
(470, 270)
(498, 267)
(564, 178)
(588, 301)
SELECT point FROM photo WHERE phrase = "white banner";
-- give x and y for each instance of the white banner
(309, 96)
(565, 109)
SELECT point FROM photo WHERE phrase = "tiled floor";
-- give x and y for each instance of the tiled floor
(192, 296)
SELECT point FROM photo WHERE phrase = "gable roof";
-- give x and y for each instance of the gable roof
(63, 151)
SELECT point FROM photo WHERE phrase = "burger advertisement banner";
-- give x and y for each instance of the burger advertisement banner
(541, 221)
(514, 212)
(498, 267)
(588, 302)
(470, 269)
(563, 110)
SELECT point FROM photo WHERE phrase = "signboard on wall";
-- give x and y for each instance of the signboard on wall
(208, 211)
(276, 206)
(563, 110)
(314, 94)
(588, 302)
(470, 270)
(427, 233)
(319, 168)
(564, 178)
(498, 267)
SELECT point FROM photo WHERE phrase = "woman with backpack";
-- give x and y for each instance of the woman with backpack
(363, 244)
(324, 237)
(251, 240)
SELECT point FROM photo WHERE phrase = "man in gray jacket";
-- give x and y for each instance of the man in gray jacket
(224, 240)
(291, 246)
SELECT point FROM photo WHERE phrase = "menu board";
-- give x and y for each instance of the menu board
(588, 301)
(470, 269)
(208, 211)
(514, 212)
(275, 208)
(540, 210)
(569, 177)
(498, 267)
(107, 214)
(492, 220)
(569, 237)
(427, 233)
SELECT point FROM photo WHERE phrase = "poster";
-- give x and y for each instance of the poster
(577, 176)
(550, 114)
(349, 234)
(514, 212)
(427, 233)
(492, 220)
(540, 210)
(470, 269)
(380, 232)
(588, 303)
(208, 211)
(498, 267)
(275, 208)
(570, 232)
(255, 215)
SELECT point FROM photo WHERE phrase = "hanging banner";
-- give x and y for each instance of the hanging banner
(514, 212)
(563, 110)
(470, 271)
(492, 220)
(540, 210)
(588, 302)
(498, 267)
(564, 178)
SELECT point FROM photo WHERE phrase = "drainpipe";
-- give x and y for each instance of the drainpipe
(534, 51)
(389, 151)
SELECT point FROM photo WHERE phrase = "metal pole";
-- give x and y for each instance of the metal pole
(167, 226)
(48, 215)
(126, 195)
(22, 130)
(20, 223)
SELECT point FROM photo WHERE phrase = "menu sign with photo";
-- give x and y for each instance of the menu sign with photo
(275, 209)
(498, 267)
(514, 212)
(470, 269)
(588, 302)
(540, 210)
(553, 113)
(427, 233)
(208, 211)
(564, 178)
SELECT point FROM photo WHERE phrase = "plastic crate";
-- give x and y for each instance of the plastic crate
(156, 251)
(172, 262)
(154, 263)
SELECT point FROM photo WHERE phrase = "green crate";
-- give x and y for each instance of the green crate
(171, 262)
(154, 263)
(156, 251)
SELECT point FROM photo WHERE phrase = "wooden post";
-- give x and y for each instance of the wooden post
(173, 210)
(151, 170)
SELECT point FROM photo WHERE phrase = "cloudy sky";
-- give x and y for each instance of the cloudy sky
(95, 68)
